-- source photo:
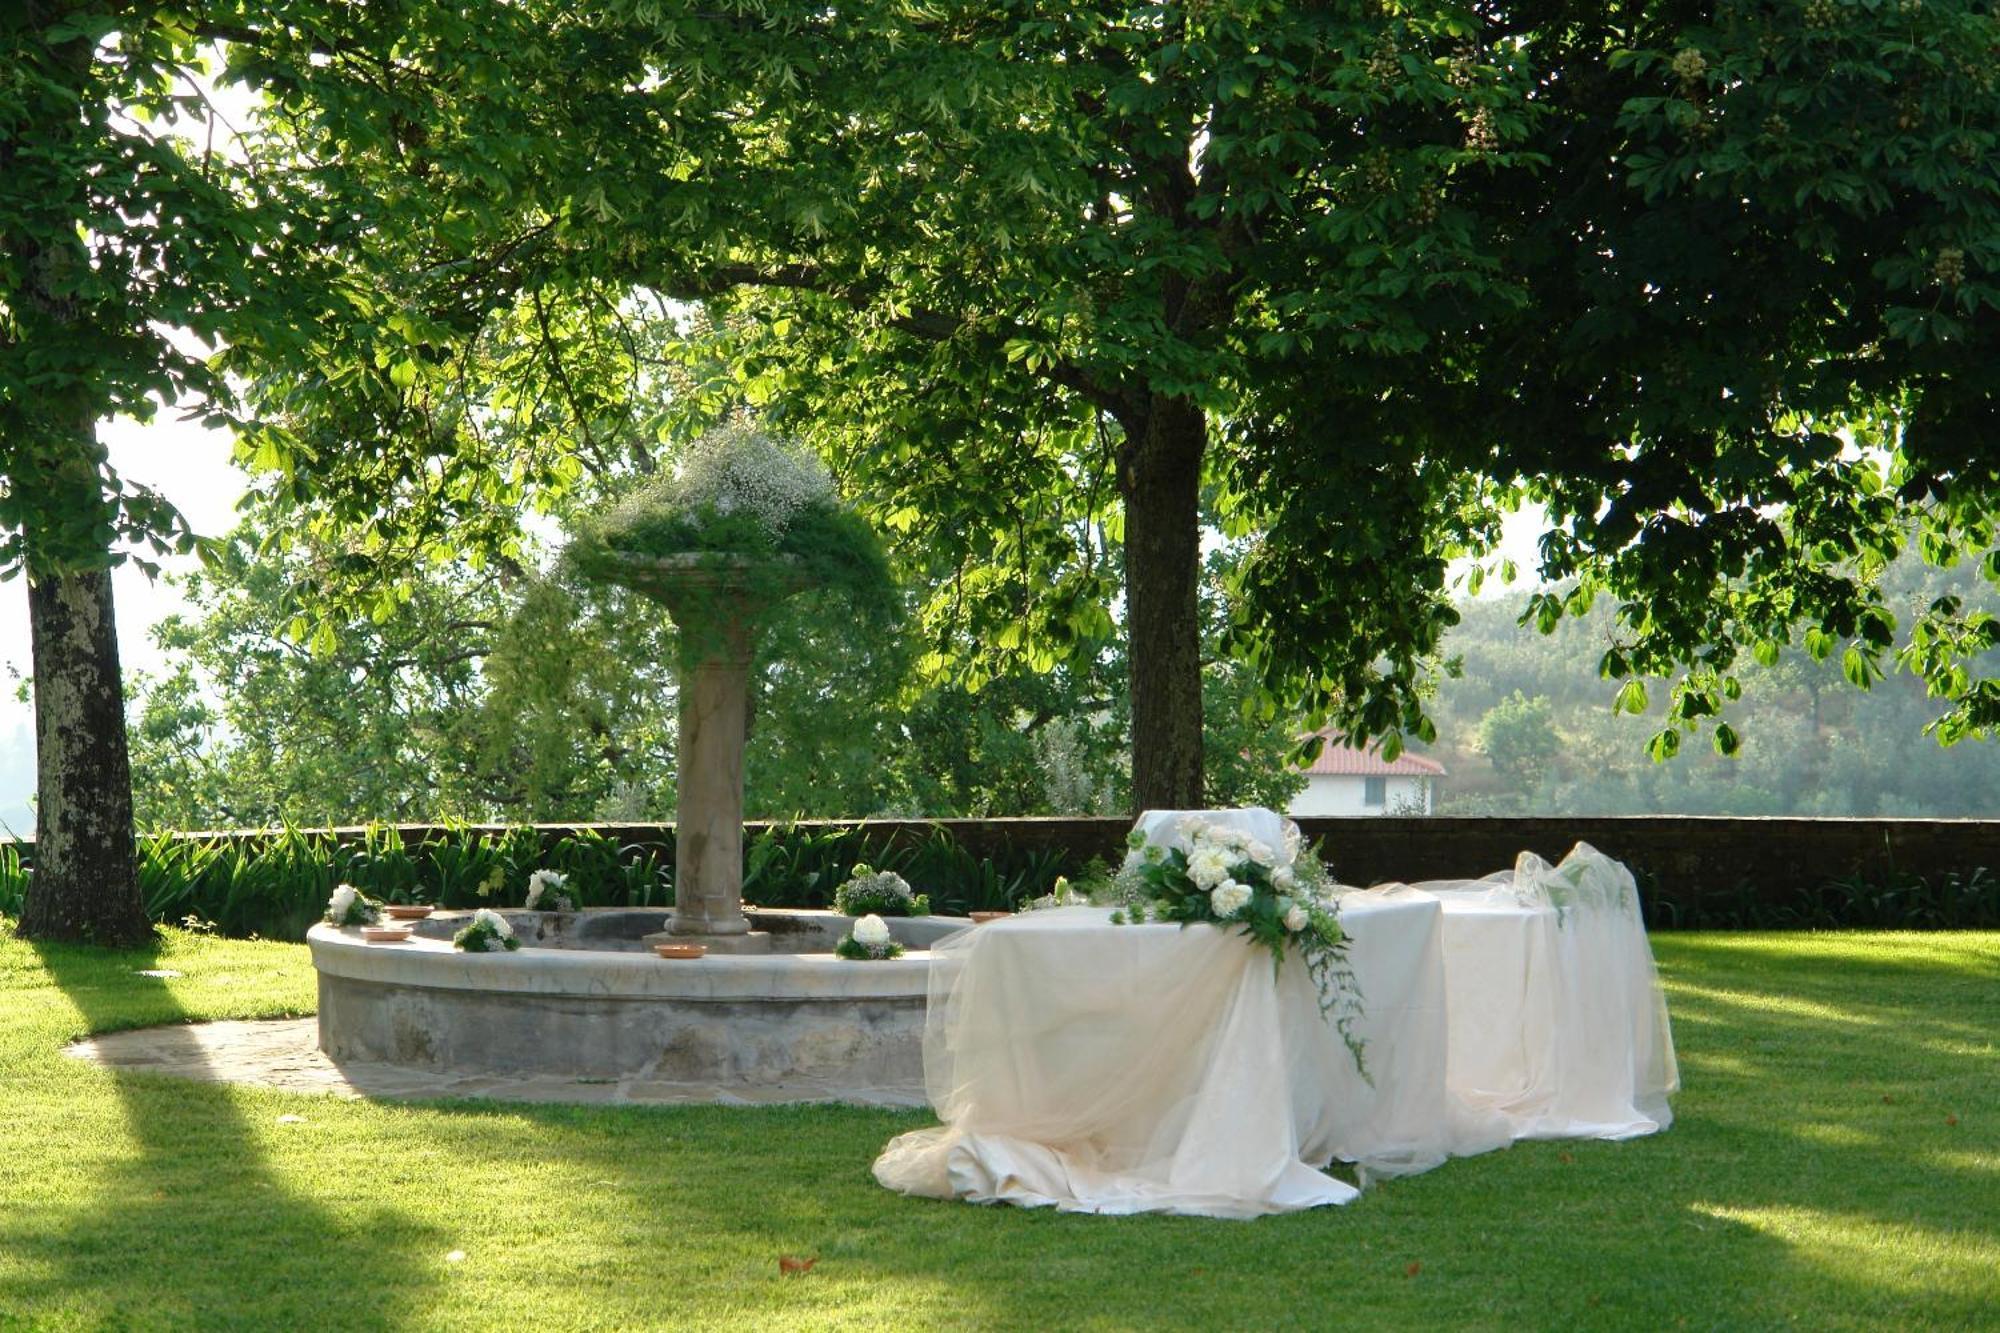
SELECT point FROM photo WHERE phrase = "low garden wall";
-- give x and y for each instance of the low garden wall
(1692, 871)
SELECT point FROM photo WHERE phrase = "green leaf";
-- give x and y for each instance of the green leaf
(1860, 672)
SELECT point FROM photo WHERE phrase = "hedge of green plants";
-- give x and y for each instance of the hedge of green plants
(275, 886)
(1895, 901)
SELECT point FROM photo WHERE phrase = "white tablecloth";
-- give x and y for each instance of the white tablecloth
(1557, 1020)
(1120, 1069)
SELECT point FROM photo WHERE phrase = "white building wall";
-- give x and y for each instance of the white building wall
(1342, 794)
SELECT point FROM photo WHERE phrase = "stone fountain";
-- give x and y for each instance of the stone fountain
(768, 1011)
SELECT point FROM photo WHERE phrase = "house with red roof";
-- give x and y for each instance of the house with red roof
(1349, 781)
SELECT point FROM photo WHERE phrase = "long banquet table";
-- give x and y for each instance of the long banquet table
(1121, 1068)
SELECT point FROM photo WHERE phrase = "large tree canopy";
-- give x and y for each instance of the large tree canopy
(1710, 283)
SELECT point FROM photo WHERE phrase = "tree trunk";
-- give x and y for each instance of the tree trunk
(1159, 476)
(85, 884)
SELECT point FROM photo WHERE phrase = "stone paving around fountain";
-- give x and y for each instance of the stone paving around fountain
(284, 1054)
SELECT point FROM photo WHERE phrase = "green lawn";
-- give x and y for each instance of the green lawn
(1836, 1164)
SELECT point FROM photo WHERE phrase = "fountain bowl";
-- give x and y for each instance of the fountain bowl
(585, 999)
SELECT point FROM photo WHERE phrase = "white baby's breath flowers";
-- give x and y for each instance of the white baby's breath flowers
(738, 467)
(1228, 898)
(494, 922)
(872, 931)
(546, 884)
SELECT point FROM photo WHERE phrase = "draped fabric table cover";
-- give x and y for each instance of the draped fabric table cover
(1120, 1069)
(1557, 1020)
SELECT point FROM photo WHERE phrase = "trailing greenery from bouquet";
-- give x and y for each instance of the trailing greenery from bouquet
(1278, 897)
(868, 942)
(757, 501)
(880, 893)
(348, 906)
(487, 932)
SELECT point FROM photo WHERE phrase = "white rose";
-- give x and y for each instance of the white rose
(1259, 852)
(1297, 919)
(872, 931)
(1208, 867)
(1228, 898)
(1284, 878)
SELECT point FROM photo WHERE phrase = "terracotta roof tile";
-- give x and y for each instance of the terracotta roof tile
(1335, 757)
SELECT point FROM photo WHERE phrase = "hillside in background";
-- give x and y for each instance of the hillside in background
(1527, 728)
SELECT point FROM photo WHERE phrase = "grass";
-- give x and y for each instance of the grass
(1816, 1177)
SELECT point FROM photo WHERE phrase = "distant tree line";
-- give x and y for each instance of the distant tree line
(1528, 727)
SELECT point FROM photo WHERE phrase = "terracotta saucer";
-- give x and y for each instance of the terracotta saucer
(680, 950)
(385, 934)
(409, 911)
(981, 918)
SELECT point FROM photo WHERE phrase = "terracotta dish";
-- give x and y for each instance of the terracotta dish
(680, 950)
(981, 918)
(409, 911)
(385, 934)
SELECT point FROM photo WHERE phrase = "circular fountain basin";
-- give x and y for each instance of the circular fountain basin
(585, 998)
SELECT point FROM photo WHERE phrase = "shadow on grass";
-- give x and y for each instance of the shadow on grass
(186, 1223)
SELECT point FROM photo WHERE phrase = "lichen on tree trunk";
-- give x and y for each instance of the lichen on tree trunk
(85, 883)
(1159, 476)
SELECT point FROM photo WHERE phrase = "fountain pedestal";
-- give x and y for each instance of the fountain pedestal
(708, 825)
(718, 603)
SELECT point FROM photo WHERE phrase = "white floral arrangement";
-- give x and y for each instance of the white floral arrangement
(1278, 897)
(737, 468)
(546, 892)
(869, 941)
(350, 907)
(879, 892)
(487, 932)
